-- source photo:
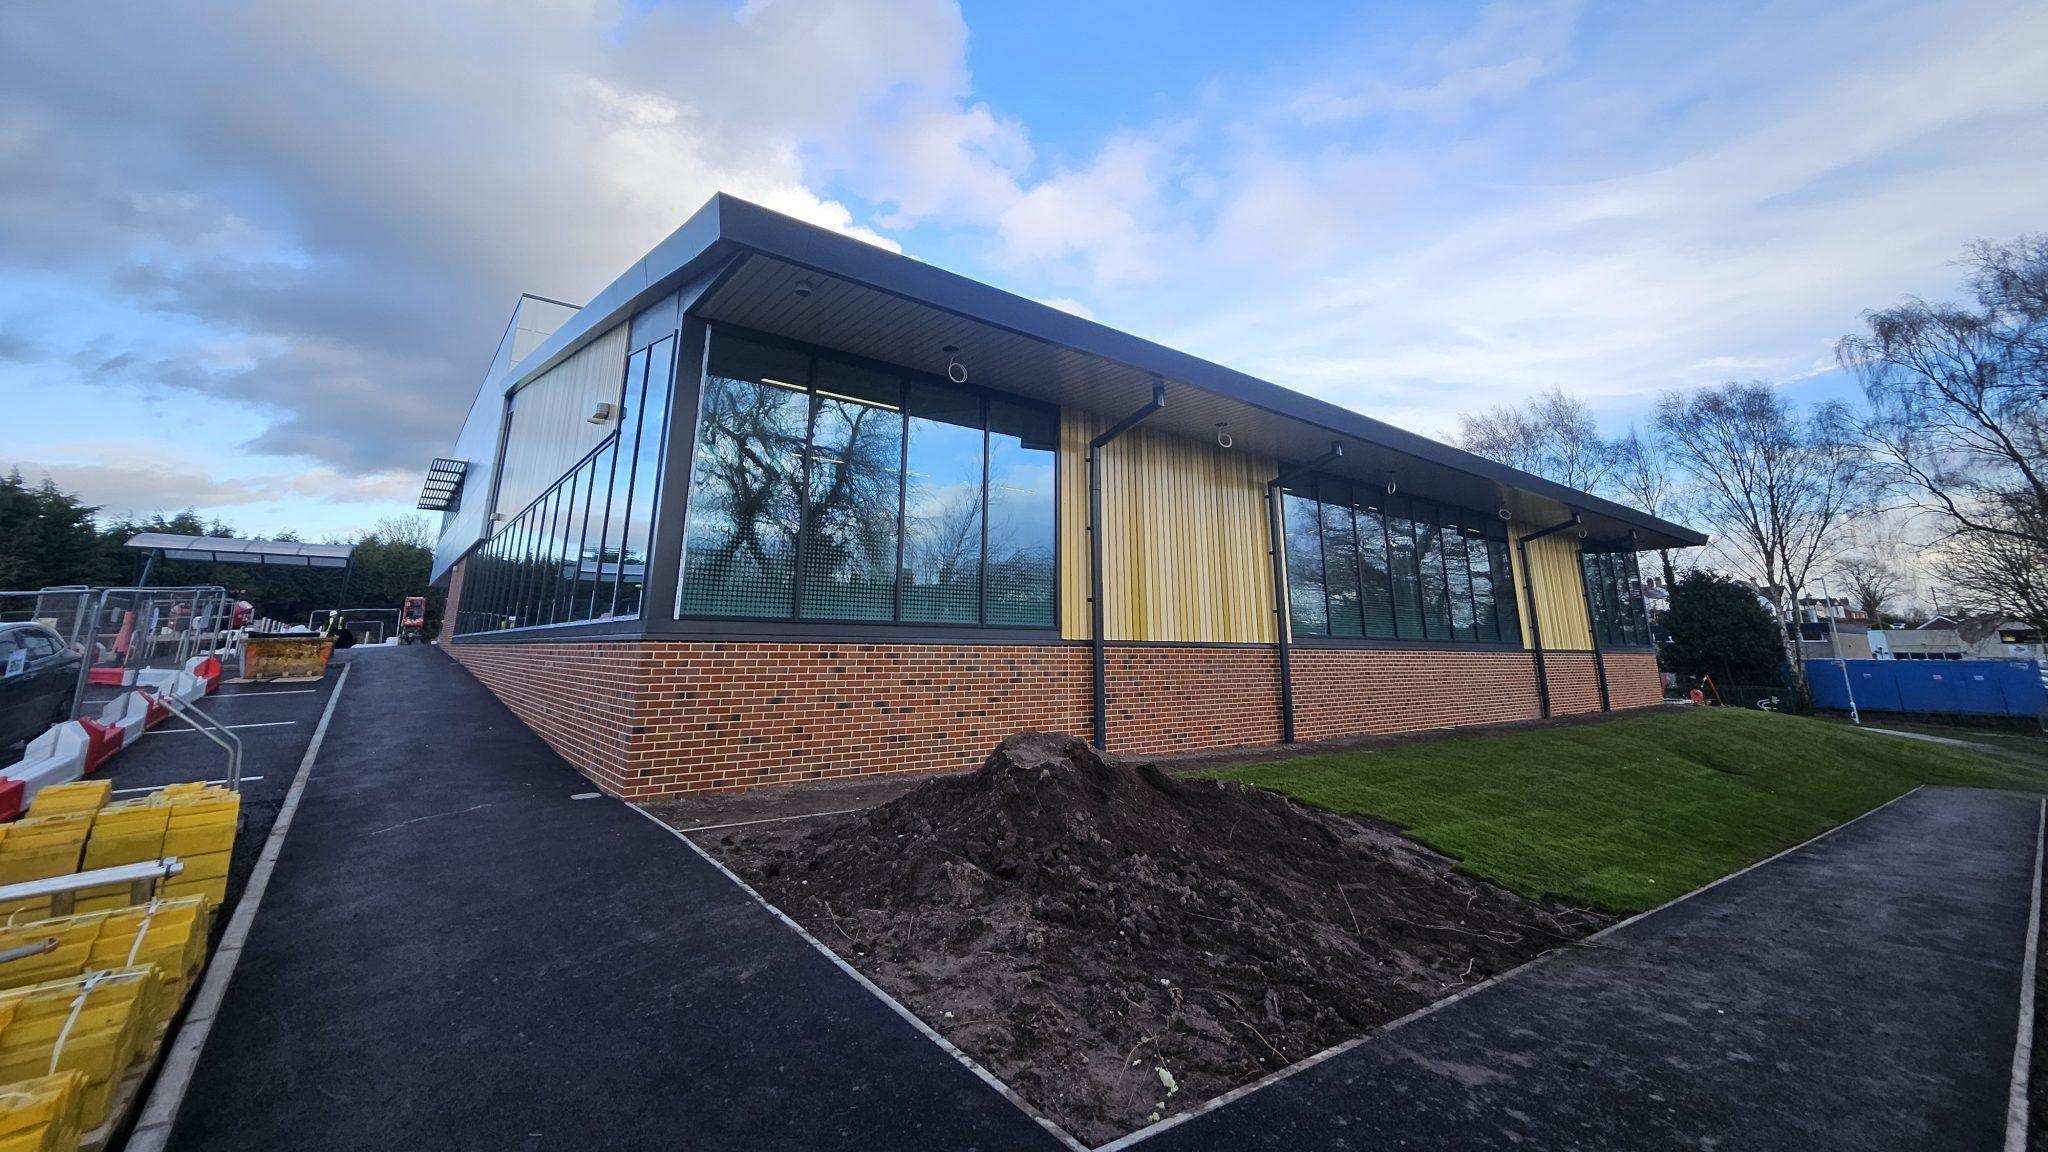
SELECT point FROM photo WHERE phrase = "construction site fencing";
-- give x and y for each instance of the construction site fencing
(143, 637)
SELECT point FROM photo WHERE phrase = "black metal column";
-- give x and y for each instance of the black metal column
(1276, 544)
(1096, 614)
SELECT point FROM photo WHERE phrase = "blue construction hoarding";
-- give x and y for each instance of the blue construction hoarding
(1931, 687)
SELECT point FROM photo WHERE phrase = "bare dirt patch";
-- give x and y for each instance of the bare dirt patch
(1119, 944)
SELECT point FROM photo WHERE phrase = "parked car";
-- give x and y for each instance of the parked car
(38, 674)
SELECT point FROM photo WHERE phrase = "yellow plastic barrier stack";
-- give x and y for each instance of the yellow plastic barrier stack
(41, 1115)
(38, 847)
(194, 822)
(97, 1025)
(77, 796)
(126, 832)
(168, 935)
(201, 834)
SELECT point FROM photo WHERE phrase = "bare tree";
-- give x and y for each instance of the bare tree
(1871, 582)
(1644, 480)
(1997, 572)
(410, 529)
(1958, 397)
(1775, 486)
(1552, 436)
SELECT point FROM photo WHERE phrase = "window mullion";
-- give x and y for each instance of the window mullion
(803, 493)
(902, 493)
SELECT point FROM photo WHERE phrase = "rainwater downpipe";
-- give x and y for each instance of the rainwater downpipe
(1529, 596)
(1275, 548)
(1096, 614)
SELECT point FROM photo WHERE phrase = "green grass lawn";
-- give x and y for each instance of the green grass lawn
(1628, 814)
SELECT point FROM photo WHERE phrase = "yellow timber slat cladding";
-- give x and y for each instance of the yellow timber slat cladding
(1185, 545)
(1184, 550)
(1560, 599)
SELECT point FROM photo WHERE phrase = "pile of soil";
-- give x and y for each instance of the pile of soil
(1118, 944)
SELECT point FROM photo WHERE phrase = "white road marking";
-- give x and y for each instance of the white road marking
(153, 1127)
(229, 727)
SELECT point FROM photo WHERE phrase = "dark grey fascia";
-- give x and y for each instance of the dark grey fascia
(726, 227)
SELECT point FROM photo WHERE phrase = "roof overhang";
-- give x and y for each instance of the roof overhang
(228, 550)
(759, 269)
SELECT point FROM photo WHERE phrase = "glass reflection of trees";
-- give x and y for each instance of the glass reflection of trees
(829, 491)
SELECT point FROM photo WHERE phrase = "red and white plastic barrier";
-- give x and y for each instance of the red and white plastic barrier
(55, 757)
(74, 748)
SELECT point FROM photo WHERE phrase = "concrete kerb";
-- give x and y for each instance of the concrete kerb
(153, 1127)
(2017, 1097)
(874, 989)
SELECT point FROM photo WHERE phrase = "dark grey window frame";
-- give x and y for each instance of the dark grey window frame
(797, 622)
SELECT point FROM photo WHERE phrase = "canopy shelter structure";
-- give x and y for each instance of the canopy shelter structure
(232, 550)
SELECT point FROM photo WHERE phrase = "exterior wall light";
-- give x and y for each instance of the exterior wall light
(601, 414)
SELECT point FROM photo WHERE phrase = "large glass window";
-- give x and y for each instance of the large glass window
(1359, 563)
(651, 428)
(854, 482)
(1376, 593)
(942, 505)
(1023, 444)
(579, 551)
(1308, 604)
(832, 491)
(1340, 558)
(1614, 585)
(745, 494)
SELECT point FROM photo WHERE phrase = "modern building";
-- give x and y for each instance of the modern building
(779, 504)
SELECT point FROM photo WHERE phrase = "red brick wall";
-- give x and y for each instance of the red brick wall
(652, 718)
(1180, 698)
(583, 699)
(734, 715)
(1633, 680)
(1353, 691)
(1573, 685)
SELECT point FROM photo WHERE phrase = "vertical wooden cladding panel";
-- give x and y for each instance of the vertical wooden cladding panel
(1560, 600)
(551, 427)
(1184, 547)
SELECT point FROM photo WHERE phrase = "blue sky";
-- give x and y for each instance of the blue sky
(254, 258)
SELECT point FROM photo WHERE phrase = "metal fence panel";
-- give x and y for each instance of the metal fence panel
(1931, 687)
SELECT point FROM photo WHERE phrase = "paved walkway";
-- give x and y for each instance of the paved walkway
(453, 954)
(1861, 993)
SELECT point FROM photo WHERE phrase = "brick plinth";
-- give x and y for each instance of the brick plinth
(647, 718)
(1355, 691)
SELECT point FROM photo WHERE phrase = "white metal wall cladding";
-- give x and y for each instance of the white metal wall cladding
(463, 525)
(551, 427)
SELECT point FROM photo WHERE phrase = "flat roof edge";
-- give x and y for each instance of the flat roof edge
(726, 226)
